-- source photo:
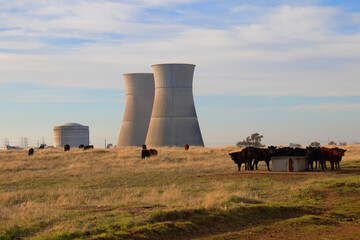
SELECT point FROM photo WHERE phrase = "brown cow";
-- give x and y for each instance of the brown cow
(333, 155)
(186, 147)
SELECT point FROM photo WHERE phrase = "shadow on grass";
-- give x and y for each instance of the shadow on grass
(200, 222)
(182, 224)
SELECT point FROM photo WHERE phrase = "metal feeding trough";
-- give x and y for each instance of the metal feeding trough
(289, 164)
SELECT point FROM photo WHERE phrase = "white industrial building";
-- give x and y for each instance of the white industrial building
(160, 109)
(73, 134)
(173, 120)
(138, 108)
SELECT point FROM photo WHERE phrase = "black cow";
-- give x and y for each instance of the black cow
(300, 152)
(81, 146)
(88, 147)
(239, 158)
(148, 152)
(313, 154)
(66, 147)
(31, 152)
(258, 154)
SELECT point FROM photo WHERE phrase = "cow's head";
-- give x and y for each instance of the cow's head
(233, 156)
(272, 150)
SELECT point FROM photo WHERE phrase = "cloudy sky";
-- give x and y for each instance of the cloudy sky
(289, 70)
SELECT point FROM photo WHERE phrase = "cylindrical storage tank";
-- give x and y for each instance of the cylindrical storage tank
(73, 134)
(138, 107)
(173, 119)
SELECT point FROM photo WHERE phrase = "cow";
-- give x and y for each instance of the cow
(148, 152)
(239, 158)
(66, 147)
(81, 146)
(313, 154)
(42, 146)
(300, 152)
(31, 152)
(258, 154)
(186, 147)
(333, 155)
(339, 153)
(88, 147)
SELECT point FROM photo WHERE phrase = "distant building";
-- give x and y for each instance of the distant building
(7, 147)
(73, 134)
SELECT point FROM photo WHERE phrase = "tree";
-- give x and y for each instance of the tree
(254, 140)
(314, 144)
(343, 143)
(332, 143)
(294, 145)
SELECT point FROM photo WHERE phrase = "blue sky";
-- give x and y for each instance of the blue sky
(287, 69)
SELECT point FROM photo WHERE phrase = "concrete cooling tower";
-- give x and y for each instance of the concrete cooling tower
(73, 134)
(138, 107)
(173, 120)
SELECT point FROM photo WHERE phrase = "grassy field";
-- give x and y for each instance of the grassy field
(195, 194)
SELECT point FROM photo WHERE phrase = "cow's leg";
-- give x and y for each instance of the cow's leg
(251, 165)
(332, 165)
(268, 165)
(239, 166)
(255, 164)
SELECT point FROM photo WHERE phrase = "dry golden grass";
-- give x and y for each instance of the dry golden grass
(44, 186)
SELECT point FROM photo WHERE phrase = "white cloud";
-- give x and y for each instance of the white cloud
(287, 51)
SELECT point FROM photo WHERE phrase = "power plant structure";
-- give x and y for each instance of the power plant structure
(160, 109)
(173, 120)
(139, 104)
(73, 134)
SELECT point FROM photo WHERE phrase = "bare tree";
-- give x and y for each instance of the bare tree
(254, 140)
(332, 143)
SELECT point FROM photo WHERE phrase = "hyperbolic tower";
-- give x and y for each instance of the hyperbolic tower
(138, 107)
(173, 119)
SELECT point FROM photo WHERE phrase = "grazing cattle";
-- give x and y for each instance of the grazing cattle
(283, 151)
(81, 146)
(66, 147)
(300, 152)
(313, 154)
(186, 147)
(239, 158)
(153, 152)
(148, 152)
(42, 146)
(31, 152)
(88, 147)
(258, 154)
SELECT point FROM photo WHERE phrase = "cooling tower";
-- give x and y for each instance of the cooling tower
(73, 134)
(138, 107)
(173, 119)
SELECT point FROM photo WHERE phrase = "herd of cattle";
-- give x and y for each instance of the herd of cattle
(250, 156)
(66, 148)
